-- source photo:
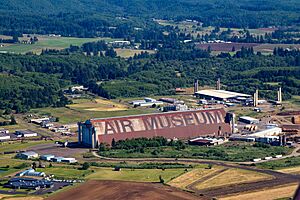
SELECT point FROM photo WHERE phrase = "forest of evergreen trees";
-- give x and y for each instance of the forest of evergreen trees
(31, 81)
(92, 18)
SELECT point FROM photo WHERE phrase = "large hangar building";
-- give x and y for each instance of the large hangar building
(220, 95)
(181, 125)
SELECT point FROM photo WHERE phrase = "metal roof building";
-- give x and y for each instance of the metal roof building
(28, 183)
(47, 157)
(31, 172)
(180, 124)
(248, 120)
(220, 95)
(28, 155)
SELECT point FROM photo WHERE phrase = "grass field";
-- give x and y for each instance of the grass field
(141, 175)
(18, 145)
(67, 173)
(8, 164)
(83, 109)
(232, 176)
(295, 100)
(46, 42)
(97, 105)
(126, 53)
(190, 177)
(267, 194)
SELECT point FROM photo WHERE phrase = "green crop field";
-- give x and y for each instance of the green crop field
(143, 175)
(46, 42)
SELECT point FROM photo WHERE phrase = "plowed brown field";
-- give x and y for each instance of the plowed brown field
(104, 190)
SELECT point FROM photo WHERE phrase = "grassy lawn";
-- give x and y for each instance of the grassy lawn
(14, 146)
(46, 42)
(230, 151)
(66, 172)
(295, 100)
(142, 175)
(8, 164)
(74, 113)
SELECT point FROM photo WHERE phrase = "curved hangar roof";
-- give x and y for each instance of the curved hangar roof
(187, 124)
(222, 94)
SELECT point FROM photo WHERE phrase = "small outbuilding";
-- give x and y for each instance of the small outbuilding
(47, 157)
(248, 120)
(28, 155)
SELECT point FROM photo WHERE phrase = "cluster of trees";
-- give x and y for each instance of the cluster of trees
(140, 165)
(288, 52)
(139, 144)
(21, 92)
(118, 18)
(175, 54)
(12, 121)
(30, 81)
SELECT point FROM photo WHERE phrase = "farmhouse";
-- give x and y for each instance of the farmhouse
(180, 124)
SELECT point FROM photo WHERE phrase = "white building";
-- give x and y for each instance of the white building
(28, 155)
(220, 95)
(47, 157)
(69, 160)
(25, 133)
(268, 132)
(4, 137)
(248, 120)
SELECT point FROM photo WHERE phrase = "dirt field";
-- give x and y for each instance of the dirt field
(226, 46)
(98, 105)
(188, 178)
(24, 198)
(290, 170)
(268, 194)
(104, 190)
(126, 53)
(232, 176)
